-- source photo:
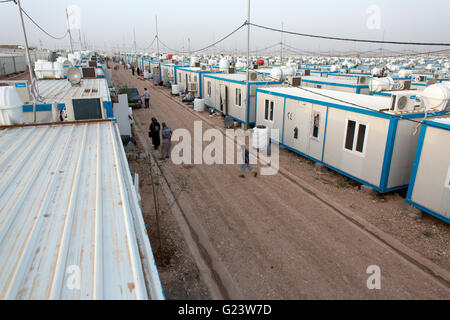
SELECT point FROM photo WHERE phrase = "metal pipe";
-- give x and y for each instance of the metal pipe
(248, 43)
(30, 69)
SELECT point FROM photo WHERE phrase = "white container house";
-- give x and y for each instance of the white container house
(169, 72)
(429, 187)
(357, 85)
(191, 78)
(356, 135)
(71, 209)
(55, 94)
(232, 95)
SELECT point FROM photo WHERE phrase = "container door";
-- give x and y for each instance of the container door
(224, 98)
(297, 125)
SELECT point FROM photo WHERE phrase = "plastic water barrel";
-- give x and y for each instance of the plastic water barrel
(260, 137)
(199, 105)
(176, 88)
(11, 107)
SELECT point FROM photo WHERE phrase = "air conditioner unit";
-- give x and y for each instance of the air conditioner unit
(192, 87)
(253, 76)
(295, 81)
(402, 103)
(203, 67)
(361, 80)
(21, 87)
(231, 70)
(84, 108)
(197, 64)
(429, 82)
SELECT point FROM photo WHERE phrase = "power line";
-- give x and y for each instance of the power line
(350, 39)
(209, 46)
(151, 44)
(48, 34)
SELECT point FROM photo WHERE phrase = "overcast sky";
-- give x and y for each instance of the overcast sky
(109, 23)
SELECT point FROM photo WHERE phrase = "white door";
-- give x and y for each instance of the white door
(297, 120)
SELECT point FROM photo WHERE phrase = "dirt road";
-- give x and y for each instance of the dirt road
(271, 239)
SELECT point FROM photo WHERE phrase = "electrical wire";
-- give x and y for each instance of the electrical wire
(37, 25)
(207, 47)
(151, 44)
(349, 39)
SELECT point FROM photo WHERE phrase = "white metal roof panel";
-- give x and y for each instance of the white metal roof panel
(69, 212)
(56, 91)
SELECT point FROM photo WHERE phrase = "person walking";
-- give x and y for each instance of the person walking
(246, 164)
(166, 134)
(154, 133)
(132, 70)
(146, 96)
(138, 72)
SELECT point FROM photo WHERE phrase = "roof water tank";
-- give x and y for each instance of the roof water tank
(404, 73)
(224, 64)
(436, 96)
(10, 106)
(380, 84)
(276, 74)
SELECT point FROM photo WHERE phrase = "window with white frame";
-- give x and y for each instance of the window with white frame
(238, 97)
(209, 88)
(355, 136)
(268, 110)
(315, 125)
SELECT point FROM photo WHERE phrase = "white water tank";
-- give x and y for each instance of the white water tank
(436, 96)
(404, 73)
(199, 104)
(224, 64)
(11, 107)
(176, 89)
(381, 84)
(260, 138)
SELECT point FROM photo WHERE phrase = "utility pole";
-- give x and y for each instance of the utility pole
(134, 37)
(189, 48)
(30, 69)
(281, 46)
(68, 29)
(157, 37)
(81, 42)
(248, 43)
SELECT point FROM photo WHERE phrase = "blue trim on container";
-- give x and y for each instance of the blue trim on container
(389, 149)
(335, 169)
(416, 162)
(437, 124)
(284, 113)
(431, 212)
(336, 84)
(109, 110)
(325, 134)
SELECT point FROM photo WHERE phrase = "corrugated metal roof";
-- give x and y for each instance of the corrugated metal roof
(70, 212)
(56, 91)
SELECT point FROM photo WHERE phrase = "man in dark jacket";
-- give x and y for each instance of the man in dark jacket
(154, 133)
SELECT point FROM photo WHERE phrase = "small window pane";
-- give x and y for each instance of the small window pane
(361, 137)
(316, 123)
(266, 111)
(350, 134)
(271, 110)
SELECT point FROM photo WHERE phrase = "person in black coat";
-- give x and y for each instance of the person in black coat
(154, 133)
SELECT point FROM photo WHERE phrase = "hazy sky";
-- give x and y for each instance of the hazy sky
(110, 23)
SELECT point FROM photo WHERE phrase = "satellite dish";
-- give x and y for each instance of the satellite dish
(229, 122)
(253, 76)
(74, 76)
